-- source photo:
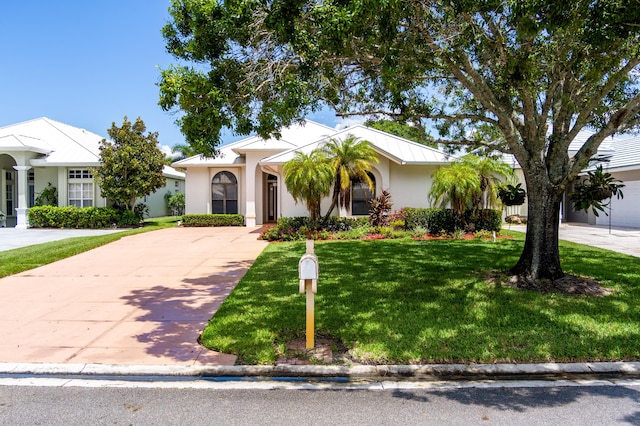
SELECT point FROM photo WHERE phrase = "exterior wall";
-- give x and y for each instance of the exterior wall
(156, 202)
(523, 209)
(43, 176)
(409, 185)
(624, 212)
(198, 191)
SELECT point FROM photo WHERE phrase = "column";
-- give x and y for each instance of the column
(22, 209)
(250, 193)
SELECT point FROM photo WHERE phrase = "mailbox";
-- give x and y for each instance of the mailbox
(308, 270)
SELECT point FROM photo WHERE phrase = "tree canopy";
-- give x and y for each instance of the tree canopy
(131, 163)
(534, 73)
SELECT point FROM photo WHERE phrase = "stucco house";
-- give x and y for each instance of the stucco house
(247, 176)
(623, 155)
(41, 151)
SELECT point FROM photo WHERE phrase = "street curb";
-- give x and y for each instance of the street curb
(328, 371)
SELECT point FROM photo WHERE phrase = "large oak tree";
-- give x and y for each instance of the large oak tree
(535, 72)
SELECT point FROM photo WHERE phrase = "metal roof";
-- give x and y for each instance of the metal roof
(60, 143)
(292, 137)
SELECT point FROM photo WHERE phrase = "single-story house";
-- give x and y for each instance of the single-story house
(247, 176)
(622, 153)
(41, 151)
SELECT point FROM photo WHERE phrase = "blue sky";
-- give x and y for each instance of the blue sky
(87, 64)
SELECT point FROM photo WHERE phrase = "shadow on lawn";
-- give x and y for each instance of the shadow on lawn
(180, 314)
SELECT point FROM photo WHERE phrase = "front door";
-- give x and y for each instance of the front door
(272, 198)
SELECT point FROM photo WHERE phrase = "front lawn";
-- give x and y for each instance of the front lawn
(407, 301)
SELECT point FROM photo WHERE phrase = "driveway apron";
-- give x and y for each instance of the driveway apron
(141, 300)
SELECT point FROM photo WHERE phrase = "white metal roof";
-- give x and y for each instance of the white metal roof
(624, 153)
(292, 137)
(397, 149)
(60, 143)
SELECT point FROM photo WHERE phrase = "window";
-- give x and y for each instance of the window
(224, 193)
(176, 185)
(80, 174)
(9, 191)
(32, 189)
(360, 196)
(80, 188)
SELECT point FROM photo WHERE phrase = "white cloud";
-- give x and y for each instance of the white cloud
(343, 123)
(167, 151)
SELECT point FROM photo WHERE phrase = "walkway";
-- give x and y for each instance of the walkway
(621, 240)
(142, 300)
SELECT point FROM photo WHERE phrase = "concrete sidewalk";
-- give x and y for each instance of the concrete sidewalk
(621, 240)
(142, 300)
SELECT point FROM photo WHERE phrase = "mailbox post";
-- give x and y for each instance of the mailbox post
(308, 274)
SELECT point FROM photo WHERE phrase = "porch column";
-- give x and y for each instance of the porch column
(22, 209)
(250, 191)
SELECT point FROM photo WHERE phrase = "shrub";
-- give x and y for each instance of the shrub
(128, 218)
(175, 203)
(487, 219)
(212, 220)
(48, 196)
(379, 209)
(437, 220)
(73, 217)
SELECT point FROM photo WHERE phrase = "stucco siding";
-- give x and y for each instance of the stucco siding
(409, 185)
(197, 191)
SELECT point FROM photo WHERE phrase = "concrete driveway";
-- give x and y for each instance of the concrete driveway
(142, 300)
(621, 240)
(11, 238)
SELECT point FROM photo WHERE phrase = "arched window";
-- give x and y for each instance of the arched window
(224, 193)
(360, 196)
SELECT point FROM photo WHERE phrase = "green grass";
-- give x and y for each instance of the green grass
(405, 301)
(25, 258)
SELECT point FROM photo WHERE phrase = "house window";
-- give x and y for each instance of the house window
(176, 185)
(224, 193)
(9, 192)
(80, 188)
(360, 196)
(32, 188)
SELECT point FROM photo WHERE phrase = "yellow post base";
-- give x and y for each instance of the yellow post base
(310, 315)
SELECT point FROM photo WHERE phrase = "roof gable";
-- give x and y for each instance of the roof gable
(292, 137)
(62, 143)
(397, 149)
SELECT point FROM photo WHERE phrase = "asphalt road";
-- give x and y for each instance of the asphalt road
(504, 405)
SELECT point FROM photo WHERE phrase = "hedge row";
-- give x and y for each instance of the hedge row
(80, 218)
(332, 224)
(446, 220)
(213, 220)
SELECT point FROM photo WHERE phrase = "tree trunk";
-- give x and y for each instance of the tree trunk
(540, 258)
(334, 200)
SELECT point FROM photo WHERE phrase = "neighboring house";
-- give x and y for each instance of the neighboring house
(38, 152)
(247, 176)
(623, 154)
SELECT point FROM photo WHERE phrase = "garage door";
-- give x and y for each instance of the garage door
(624, 212)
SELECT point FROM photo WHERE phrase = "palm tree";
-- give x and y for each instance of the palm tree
(350, 159)
(308, 178)
(471, 182)
(491, 172)
(457, 185)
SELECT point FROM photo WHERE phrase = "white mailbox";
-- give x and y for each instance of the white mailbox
(308, 270)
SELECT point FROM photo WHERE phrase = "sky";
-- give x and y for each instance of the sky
(89, 63)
